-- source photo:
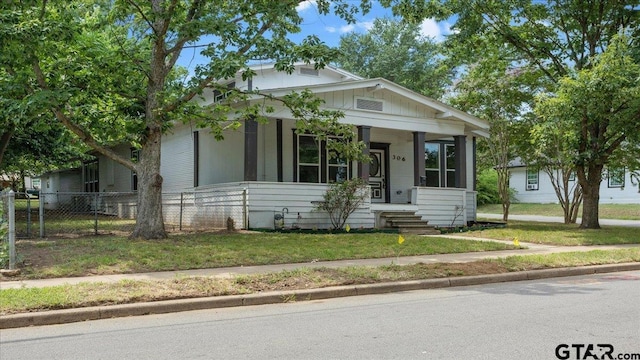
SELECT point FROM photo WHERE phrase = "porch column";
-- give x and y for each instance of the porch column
(364, 135)
(250, 150)
(419, 175)
(475, 165)
(460, 142)
(279, 148)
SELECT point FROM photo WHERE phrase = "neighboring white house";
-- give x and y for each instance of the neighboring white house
(422, 157)
(534, 186)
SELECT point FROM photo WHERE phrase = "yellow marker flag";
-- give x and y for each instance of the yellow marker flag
(400, 239)
(347, 228)
(516, 242)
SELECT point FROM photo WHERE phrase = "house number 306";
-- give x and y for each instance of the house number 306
(398, 157)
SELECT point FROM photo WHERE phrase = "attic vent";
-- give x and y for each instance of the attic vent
(366, 104)
(309, 71)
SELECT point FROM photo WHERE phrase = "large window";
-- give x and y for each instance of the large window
(316, 164)
(532, 180)
(432, 164)
(440, 164)
(308, 159)
(91, 176)
(616, 177)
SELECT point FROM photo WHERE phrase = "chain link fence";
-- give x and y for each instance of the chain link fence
(74, 214)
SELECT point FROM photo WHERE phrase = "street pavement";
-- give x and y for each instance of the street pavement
(514, 320)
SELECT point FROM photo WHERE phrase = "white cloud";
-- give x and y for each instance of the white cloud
(305, 5)
(331, 29)
(430, 28)
(347, 28)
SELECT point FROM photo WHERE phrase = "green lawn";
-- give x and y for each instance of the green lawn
(607, 211)
(129, 291)
(560, 234)
(111, 254)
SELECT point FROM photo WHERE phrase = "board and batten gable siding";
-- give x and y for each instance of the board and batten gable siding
(393, 104)
(441, 206)
(546, 195)
(266, 199)
(176, 162)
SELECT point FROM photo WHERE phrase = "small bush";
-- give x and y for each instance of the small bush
(342, 199)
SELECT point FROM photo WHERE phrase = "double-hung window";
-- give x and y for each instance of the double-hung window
(440, 164)
(532, 179)
(616, 177)
(315, 163)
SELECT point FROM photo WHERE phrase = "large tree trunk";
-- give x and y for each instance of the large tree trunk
(590, 196)
(149, 221)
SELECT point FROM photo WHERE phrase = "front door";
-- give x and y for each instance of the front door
(377, 175)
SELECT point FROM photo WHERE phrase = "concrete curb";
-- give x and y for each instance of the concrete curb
(277, 297)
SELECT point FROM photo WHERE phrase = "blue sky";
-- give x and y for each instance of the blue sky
(328, 28)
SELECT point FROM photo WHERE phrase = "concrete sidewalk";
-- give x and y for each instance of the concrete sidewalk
(530, 249)
(559, 219)
(274, 297)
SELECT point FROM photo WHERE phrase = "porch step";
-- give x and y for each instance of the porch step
(407, 222)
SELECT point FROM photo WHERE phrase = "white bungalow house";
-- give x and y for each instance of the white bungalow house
(265, 175)
(531, 185)
(422, 154)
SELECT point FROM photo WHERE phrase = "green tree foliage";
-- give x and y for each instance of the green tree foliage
(396, 51)
(597, 112)
(496, 90)
(560, 38)
(107, 71)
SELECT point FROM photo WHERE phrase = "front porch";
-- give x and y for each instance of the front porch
(269, 205)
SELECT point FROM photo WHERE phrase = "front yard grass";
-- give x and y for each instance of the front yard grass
(128, 291)
(606, 211)
(49, 258)
(559, 234)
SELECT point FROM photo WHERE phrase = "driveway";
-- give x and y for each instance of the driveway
(559, 219)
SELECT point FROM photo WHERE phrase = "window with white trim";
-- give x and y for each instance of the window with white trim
(616, 177)
(532, 180)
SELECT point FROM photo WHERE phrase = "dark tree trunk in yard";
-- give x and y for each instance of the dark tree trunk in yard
(590, 178)
(149, 222)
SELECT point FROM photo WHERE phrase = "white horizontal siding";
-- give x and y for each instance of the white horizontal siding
(441, 206)
(546, 195)
(265, 200)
